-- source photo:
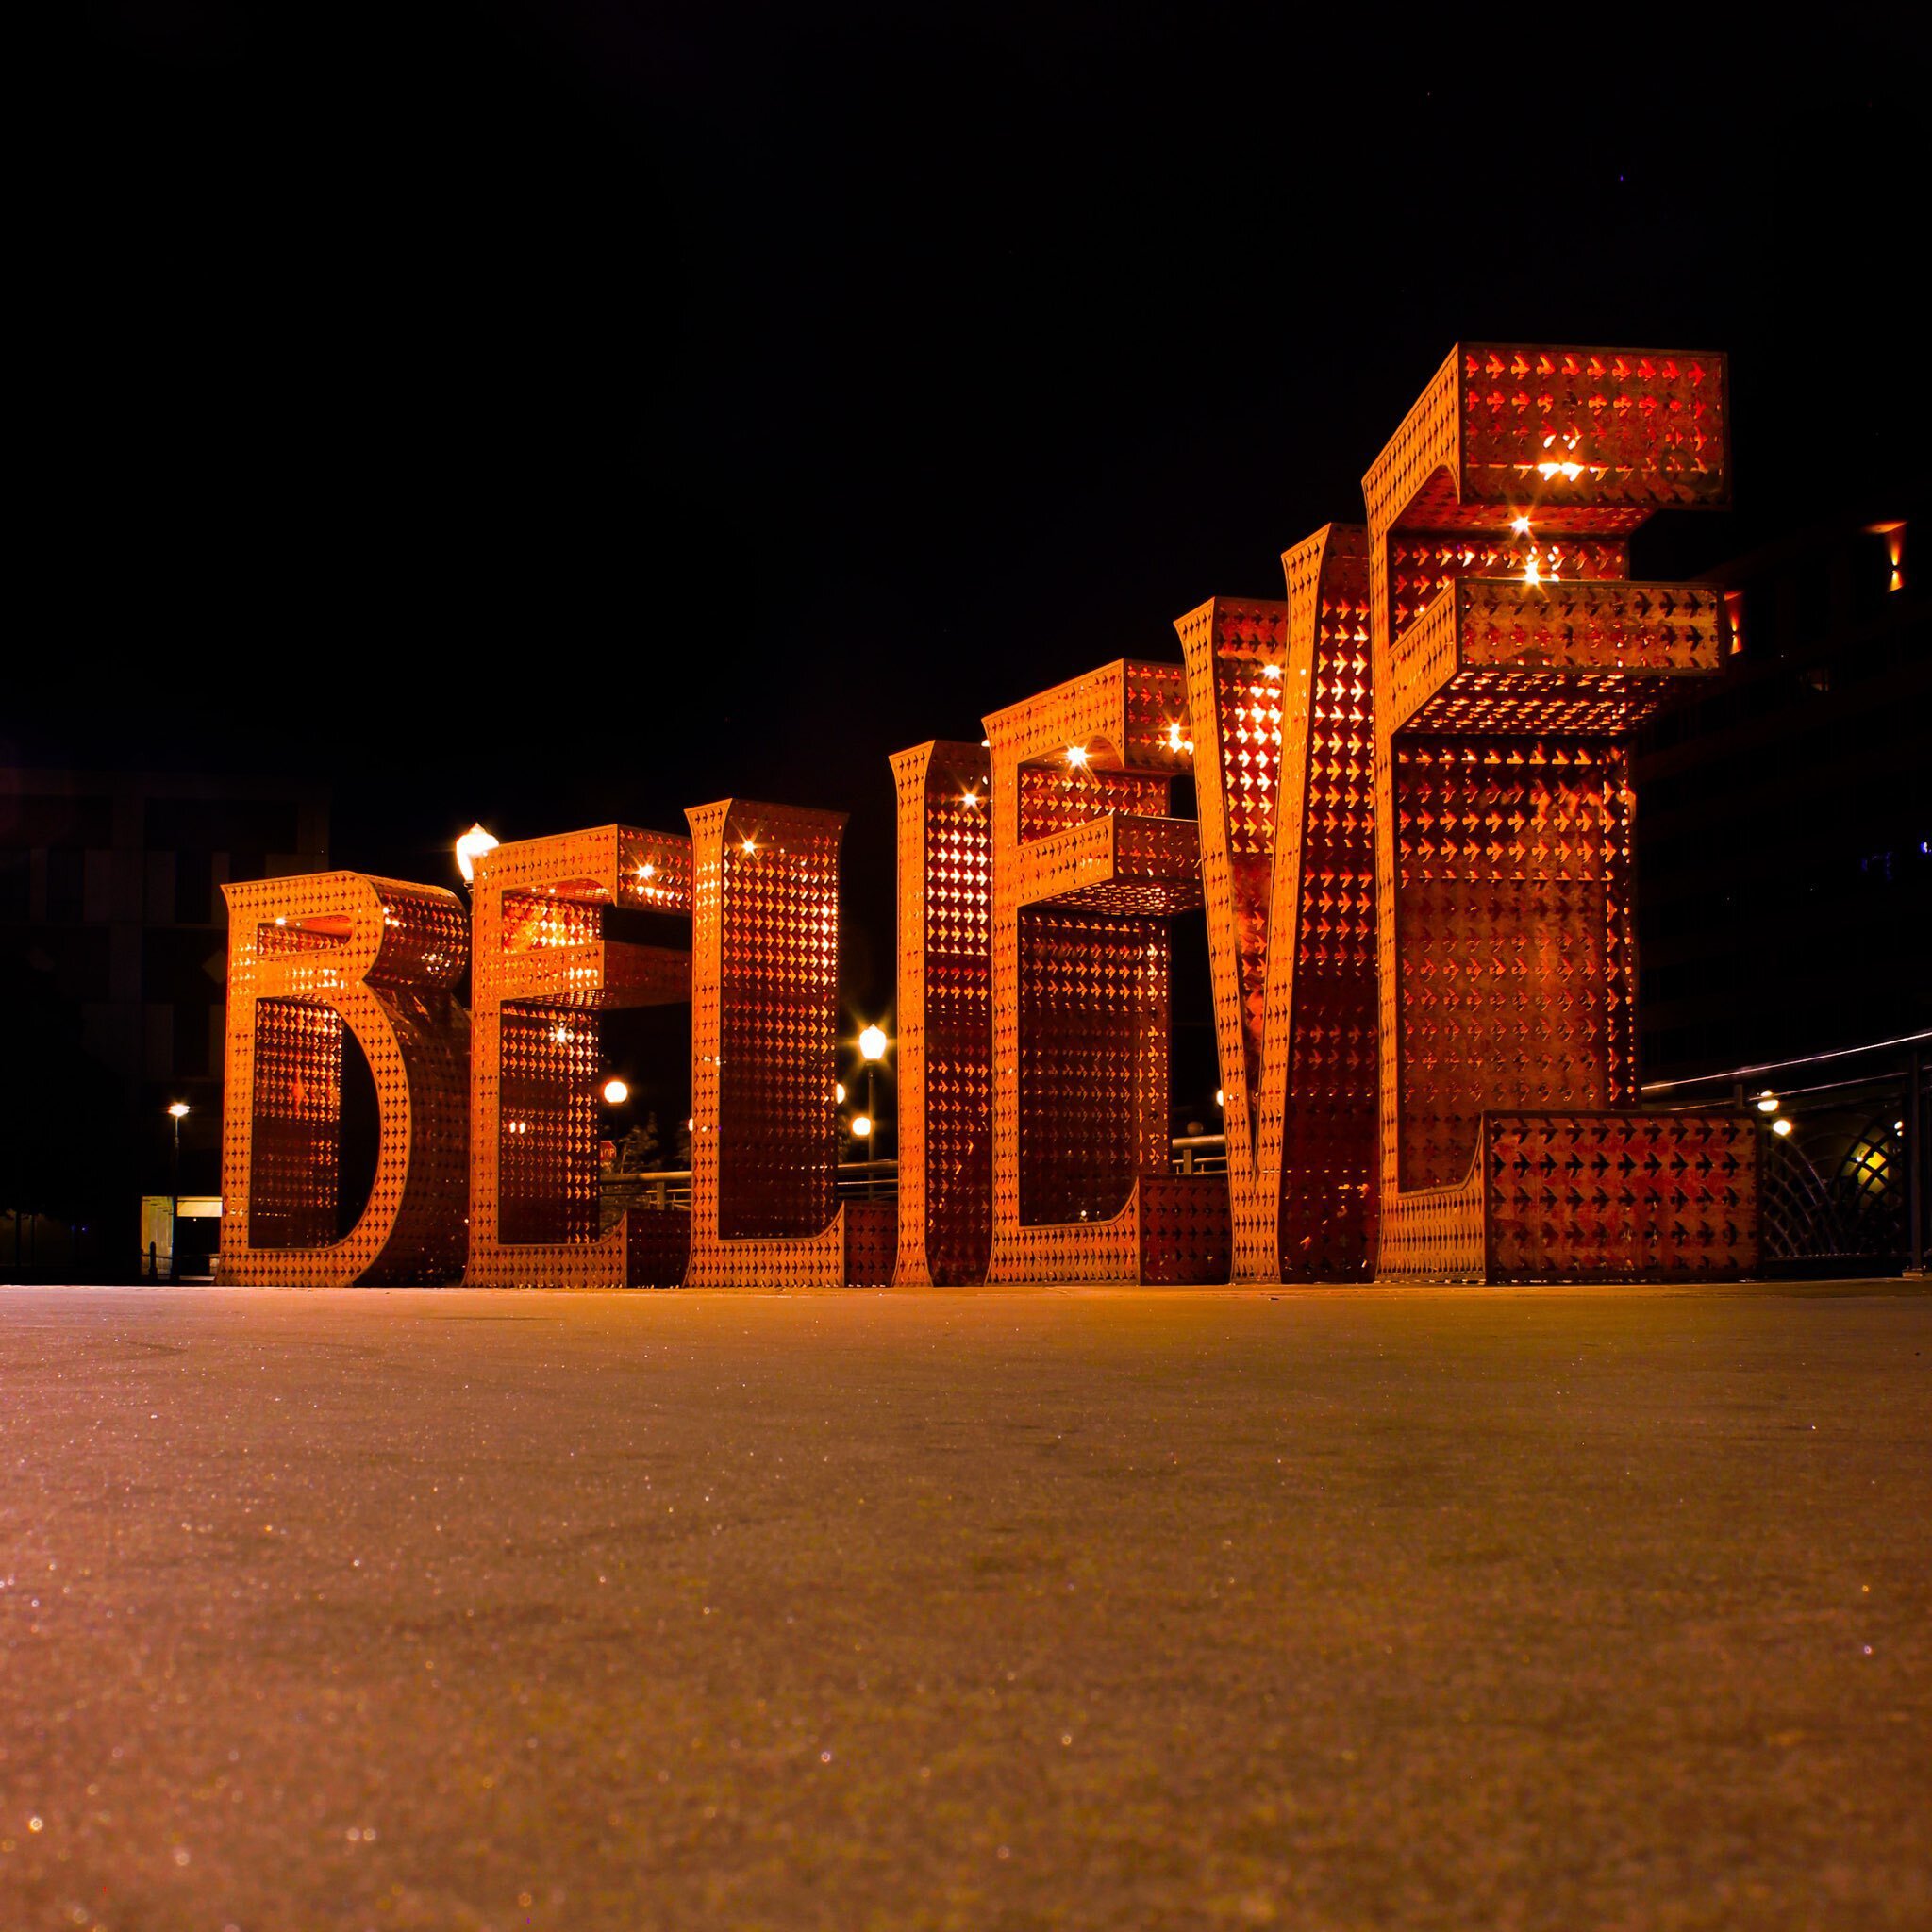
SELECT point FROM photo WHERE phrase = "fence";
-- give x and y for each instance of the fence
(1844, 1140)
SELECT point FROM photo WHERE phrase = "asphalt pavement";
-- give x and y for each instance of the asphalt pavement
(1321, 1609)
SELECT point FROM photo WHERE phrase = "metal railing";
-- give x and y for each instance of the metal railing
(1200, 1154)
(861, 1180)
(1844, 1157)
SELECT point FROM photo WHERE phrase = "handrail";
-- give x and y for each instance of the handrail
(1809, 1059)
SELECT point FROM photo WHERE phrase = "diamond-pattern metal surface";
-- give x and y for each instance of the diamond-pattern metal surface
(1415, 856)
(944, 1050)
(1085, 869)
(541, 974)
(1511, 659)
(1632, 1197)
(1282, 773)
(764, 1018)
(309, 956)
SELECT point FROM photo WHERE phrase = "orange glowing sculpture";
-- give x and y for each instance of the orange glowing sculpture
(542, 972)
(1087, 870)
(945, 1014)
(1512, 658)
(306, 957)
(764, 1017)
(1415, 859)
(1283, 772)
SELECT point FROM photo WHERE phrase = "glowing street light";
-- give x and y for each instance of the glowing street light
(616, 1091)
(1767, 1102)
(470, 848)
(178, 1111)
(873, 1048)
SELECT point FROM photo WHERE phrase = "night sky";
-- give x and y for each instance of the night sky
(572, 412)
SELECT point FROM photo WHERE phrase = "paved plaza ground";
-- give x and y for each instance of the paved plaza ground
(447, 1610)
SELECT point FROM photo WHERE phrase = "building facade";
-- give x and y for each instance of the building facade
(114, 953)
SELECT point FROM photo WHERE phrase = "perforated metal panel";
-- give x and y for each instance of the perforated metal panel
(1454, 695)
(542, 973)
(309, 956)
(764, 1014)
(1511, 663)
(944, 1014)
(1087, 868)
(1283, 774)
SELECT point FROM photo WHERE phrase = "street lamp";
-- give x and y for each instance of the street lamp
(177, 1112)
(470, 848)
(873, 1048)
(616, 1091)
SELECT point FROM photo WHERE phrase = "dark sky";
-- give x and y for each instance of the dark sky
(577, 411)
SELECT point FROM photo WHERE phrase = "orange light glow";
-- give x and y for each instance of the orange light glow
(1895, 534)
(470, 848)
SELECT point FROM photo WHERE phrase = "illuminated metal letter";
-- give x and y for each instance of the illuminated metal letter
(1087, 870)
(945, 1013)
(306, 957)
(764, 1015)
(1283, 768)
(544, 970)
(1512, 658)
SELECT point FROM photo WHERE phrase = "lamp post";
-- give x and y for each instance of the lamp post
(873, 1046)
(470, 848)
(177, 1112)
(614, 1091)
